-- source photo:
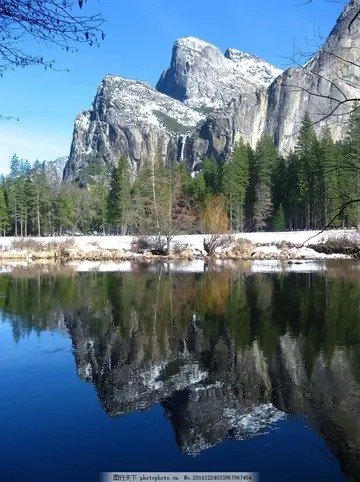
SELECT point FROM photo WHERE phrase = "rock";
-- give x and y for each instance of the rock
(119, 254)
(44, 254)
(199, 252)
(73, 254)
(239, 251)
(186, 254)
(304, 253)
(14, 254)
(265, 252)
(331, 72)
(106, 255)
(283, 245)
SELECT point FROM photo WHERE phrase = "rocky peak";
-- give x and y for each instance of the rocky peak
(202, 77)
(338, 57)
(352, 7)
(55, 169)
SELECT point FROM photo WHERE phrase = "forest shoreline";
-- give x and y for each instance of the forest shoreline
(289, 246)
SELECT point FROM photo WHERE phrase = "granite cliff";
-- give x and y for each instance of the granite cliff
(205, 101)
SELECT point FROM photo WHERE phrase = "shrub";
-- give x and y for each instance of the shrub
(213, 241)
(341, 245)
(28, 244)
(143, 244)
(35, 245)
(178, 247)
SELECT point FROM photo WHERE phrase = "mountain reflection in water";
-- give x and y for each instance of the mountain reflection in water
(227, 354)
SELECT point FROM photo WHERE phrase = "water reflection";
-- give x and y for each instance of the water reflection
(226, 353)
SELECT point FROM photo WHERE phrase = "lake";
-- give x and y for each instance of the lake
(158, 370)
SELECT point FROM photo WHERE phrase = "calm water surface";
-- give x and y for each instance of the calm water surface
(158, 371)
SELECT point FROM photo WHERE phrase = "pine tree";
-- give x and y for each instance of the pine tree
(279, 219)
(13, 192)
(331, 165)
(309, 173)
(38, 199)
(4, 214)
(212, 172)
(262, 207)
(265, 159)
(141, 195)
(199, 189)
(235, 185)
(281, 191)
(97, 180)
(119, 197)
(350, 172)
(250, 194)
(65, 210)
(292, 197)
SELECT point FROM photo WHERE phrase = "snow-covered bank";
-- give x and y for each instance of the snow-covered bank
(87, 243)
(289, 245)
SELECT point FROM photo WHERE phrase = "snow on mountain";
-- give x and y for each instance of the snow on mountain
(137, 102)
(252, 68)
(202, 77)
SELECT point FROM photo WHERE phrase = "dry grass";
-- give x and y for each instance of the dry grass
(36, 246)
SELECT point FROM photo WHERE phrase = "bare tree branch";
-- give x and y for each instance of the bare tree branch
(51, 22)
(339, 211)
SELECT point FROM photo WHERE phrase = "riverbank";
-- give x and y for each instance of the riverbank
(285, 246)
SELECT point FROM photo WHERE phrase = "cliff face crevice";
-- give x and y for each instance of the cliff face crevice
(206, 101)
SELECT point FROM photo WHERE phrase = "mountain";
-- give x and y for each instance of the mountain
(55, 169)
(206, 101)
(129, 117)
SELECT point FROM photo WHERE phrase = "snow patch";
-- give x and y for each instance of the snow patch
(243, 423)
(255, 422)
(252, 68)
(138, 103)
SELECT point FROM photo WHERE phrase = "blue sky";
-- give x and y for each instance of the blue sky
(138, 43)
